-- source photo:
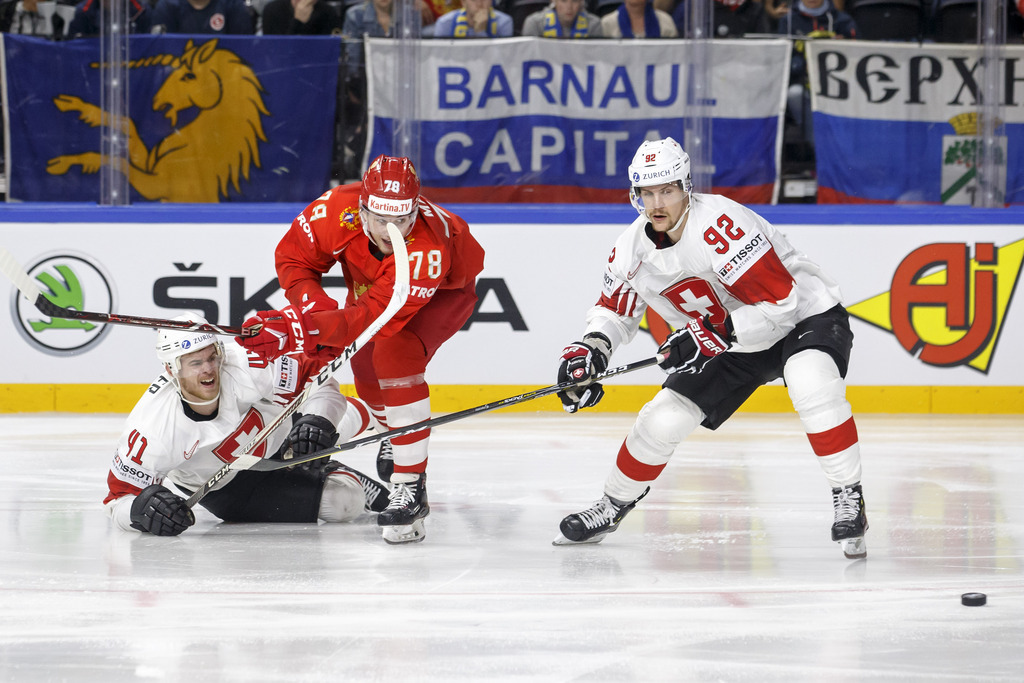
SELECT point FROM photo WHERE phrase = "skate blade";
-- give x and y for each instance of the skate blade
(854, 548)
(406, 533)
(562, 540)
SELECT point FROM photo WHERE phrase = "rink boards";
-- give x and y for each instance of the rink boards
(930, 289)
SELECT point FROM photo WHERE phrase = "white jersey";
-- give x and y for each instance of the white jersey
(729, 261)
(164, 440)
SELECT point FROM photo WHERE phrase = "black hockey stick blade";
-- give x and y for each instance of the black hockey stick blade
(30, 290)
(270, 464)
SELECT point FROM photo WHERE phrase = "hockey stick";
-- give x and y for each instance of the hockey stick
(269, 464)
(24, 282)
(245, 460)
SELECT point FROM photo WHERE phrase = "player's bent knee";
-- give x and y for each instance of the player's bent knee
(666, 420)
(342, 499)
(817, 390)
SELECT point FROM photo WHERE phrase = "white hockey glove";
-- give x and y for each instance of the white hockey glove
(581, 361)
(691, 347)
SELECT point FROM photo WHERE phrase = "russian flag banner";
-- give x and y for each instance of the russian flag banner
(524, 119)
(902, 123)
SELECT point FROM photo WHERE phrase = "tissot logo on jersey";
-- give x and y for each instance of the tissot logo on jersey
(288, 374)
(740, 259)
(129, 473)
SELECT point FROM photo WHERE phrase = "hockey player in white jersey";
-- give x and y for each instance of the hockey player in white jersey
(747, 308)
(209, 402)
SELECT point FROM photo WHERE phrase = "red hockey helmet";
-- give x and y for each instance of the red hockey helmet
(390, 186)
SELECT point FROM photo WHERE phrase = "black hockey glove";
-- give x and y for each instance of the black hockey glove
(581, 361)
(311, 433)
(160, 512)
(691, 347)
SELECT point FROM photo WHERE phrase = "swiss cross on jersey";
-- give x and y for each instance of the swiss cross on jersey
(696, 298)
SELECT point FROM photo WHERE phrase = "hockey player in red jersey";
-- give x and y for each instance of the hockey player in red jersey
(348, 225)
(209, 402)
(747, 308)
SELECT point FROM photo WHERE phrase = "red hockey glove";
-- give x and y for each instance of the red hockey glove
(581, 361)
(282, 332)
(691, 347)
(321, 354)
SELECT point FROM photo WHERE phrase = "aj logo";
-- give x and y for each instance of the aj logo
(71, 281)
(223, 100)
(945, 307)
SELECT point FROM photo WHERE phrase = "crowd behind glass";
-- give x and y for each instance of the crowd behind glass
(946, 21)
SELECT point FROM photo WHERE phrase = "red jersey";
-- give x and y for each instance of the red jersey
(442, 255)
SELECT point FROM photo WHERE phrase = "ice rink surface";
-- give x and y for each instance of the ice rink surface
(725, 572)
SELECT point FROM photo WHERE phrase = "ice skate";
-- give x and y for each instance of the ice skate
(851, 521)
(385, 460)
(402, 519)
(375, 493)
(596, 522)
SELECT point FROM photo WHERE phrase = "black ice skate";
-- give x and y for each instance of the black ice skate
(402, 519)
(596, 522)
(851, 521)
(385, 460)
(375, 493)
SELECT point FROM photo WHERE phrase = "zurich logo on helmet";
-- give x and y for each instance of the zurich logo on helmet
(186, 344)
(636, 176)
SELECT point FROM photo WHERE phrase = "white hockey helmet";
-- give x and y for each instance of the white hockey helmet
(657, 162)
(171, 345)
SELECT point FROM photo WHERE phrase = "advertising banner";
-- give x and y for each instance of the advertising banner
(935, 307)
(525, 119)
(899, 123)
(230, 118)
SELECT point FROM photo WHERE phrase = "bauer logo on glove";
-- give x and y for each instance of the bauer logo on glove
(689, 348)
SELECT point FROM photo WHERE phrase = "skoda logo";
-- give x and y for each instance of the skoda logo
(72, 281)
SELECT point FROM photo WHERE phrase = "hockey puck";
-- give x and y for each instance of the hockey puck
(973, 599)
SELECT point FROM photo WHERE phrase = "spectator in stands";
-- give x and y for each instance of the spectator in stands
(563, 19)
(638, 19)
(26, 18)
(776, 9)
(730, 18)
(476, 19)
(220, 17)
(810, 19)
(432, 10)
(301, 18)
(87, 19)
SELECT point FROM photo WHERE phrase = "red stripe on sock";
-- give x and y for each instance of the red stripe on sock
(418, 468)
(411, 438)
(634, 469)
(834, 440)
(364, 415)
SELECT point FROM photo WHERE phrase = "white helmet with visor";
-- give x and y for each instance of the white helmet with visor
(171, 345)
(657, 162)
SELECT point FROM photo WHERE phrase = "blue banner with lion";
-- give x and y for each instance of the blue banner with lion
(231, 118)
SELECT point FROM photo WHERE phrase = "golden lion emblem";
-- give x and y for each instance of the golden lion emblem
(196, 162)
